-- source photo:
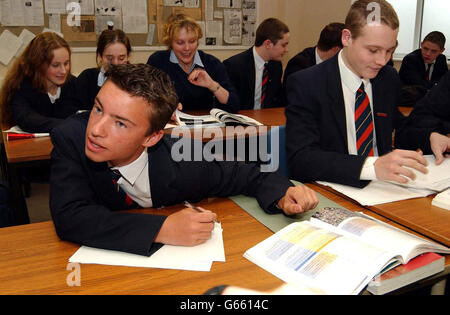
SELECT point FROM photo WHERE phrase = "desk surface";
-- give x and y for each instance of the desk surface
(33, 260)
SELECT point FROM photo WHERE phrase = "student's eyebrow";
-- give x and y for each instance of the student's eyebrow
(115, 116)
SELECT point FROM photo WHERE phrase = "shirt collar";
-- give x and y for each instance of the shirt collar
(259, 62)
(197, 60)
(101, 77)
(53, 98)
(318, 59)
(350, 79)
(132, 171)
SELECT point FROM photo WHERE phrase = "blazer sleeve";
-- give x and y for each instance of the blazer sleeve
(27, 117)
(431, 114)
(218, 73)
(309, 137)
(229, 179)
(77, 214)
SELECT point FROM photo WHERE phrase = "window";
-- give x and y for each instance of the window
(417, 19)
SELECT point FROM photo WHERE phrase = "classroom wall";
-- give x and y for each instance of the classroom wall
(305, 18)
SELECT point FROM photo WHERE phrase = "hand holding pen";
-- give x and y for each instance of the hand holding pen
(188, 227)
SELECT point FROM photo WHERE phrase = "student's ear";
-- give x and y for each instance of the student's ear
(346, 37)
(153, 139)
(268, 43)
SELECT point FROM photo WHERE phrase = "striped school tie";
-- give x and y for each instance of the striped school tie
(363, 123)
(115, 175)
(427, 71)
(264, 84)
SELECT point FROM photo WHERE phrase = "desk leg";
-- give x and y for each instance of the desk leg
(19, 205)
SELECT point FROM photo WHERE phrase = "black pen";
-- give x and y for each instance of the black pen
(189, 205)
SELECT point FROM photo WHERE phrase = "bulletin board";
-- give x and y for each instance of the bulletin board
(224, 22)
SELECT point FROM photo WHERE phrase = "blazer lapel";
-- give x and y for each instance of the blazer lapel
(336, 98)
(161, 174)
(251, 77)
(103, 184)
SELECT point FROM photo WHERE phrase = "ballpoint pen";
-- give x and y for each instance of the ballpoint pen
(189, 205)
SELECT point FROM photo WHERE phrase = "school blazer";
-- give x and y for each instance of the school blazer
(303, 60)
(431, 114)
(241, 70)
(316, 134)
(412, 70)
(33, 111)
(84, 203)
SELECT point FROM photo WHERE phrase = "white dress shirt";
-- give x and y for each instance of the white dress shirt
(101, 77)
(135, 180)
(350, 84)
(259, 69)
(53, 98)
(318, 59)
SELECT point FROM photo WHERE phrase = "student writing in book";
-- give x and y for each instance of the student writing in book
(37, 90)
(428, 125)
(256, 73)
(200, 79)
(113, 48)
(341, 114)
(117, 158)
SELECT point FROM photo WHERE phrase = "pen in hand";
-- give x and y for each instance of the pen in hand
(191, 206)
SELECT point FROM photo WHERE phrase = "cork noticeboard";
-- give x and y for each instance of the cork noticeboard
(224, 22)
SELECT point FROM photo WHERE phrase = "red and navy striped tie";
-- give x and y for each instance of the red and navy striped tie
(363, 123)
(115, 175)
(265, 80)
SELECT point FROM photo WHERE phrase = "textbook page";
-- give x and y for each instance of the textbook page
(378, 192)
(374, 232)
(197, 258)
(330, 262)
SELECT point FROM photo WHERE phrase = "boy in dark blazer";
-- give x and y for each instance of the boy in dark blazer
(247, 70)
(423, 68)
(329, 44)
(117, 158)
(341, 113)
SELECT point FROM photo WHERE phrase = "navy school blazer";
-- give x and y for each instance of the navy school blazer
(241, 70)
(316, 132)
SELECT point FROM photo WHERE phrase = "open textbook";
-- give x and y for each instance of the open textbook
(338, 251)
(216, 118)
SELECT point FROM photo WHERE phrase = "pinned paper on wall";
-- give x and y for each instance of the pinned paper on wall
(9, 45)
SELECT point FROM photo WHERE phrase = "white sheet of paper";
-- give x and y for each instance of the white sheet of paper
(378, 192)
(9, 45)
(438, 177)
(26, 37)
(198, 258)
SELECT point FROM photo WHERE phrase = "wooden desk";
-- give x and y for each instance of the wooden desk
(33, 260)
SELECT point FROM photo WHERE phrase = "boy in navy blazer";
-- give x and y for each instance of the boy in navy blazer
(423, 68)
(246, 70)
(117, 158)
(341, 114)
